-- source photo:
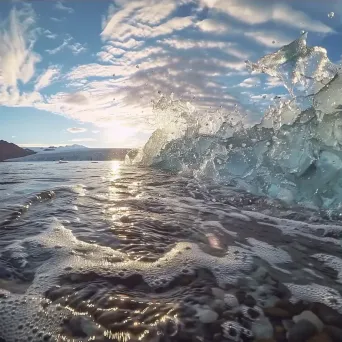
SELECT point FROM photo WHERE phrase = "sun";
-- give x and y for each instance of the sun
(118, 135)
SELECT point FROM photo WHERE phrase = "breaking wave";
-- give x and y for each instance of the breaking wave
(294, 154)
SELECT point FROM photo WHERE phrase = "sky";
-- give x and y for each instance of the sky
(86, 71)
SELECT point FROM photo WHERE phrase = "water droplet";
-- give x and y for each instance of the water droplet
(331, 15)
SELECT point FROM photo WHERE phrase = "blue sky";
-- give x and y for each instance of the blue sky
(86, 71)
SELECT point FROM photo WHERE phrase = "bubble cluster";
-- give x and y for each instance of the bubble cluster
(269, 253)
(66, 256)
(331, 261)
(234, 331)
(30, 318)
(316, 293)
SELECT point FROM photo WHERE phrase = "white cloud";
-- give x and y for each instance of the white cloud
(138, 19)
(76, 130)
(273, 82)
(227, 47)
(57, 20)
(270, 39)
(250, 82)
(141, 49)
(251, 12)
(75, 98)
(47, 77)
(128, 44)
(17, 59)
(49, 34)
(59, 48)
(213, 26)
(77, 48)
(59, 5)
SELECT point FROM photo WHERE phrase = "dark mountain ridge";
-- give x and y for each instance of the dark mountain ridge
(10, 150)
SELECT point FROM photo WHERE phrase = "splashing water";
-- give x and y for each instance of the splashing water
(294, 154)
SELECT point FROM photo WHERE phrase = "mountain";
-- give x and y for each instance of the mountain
(66, 148)
(89, 154)
(9, 150)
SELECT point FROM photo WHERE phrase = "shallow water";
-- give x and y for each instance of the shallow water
(111, 252)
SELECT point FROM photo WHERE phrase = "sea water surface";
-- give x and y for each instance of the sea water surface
(104, 251)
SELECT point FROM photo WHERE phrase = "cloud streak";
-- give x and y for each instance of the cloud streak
(195, 49)
(17, 58)
(75, 130)
(59, 5)
(46, 78)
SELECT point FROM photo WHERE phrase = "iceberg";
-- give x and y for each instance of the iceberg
(294, 154)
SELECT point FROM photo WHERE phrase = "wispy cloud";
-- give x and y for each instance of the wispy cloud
(59, 47)
(57, 20)
(149, 48)
(271, 39)
(76, 130)
(76, 99)
(49, 34)
(47, 77)
(18, 59)
(59, 5)
(77, 48)
(213, 26)
(148, 16)
(252, 12)
(273, 82)
(250, 82)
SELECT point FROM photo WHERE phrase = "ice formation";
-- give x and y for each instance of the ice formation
(294, 154)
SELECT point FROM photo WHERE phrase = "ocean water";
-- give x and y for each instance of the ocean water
(213, 231)
(105, 251)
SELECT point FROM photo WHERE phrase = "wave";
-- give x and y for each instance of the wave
(294, 154)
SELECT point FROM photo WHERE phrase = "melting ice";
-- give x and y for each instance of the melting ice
(294, 154)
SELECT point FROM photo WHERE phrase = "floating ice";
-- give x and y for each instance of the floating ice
(294, 154)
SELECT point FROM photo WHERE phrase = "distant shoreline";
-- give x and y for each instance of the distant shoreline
(89, 154)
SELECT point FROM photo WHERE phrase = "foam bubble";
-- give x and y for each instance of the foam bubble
(333, 262)
(270, 254)
(234, 331)
(64, 255)
(316, 293)
(26, 318)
